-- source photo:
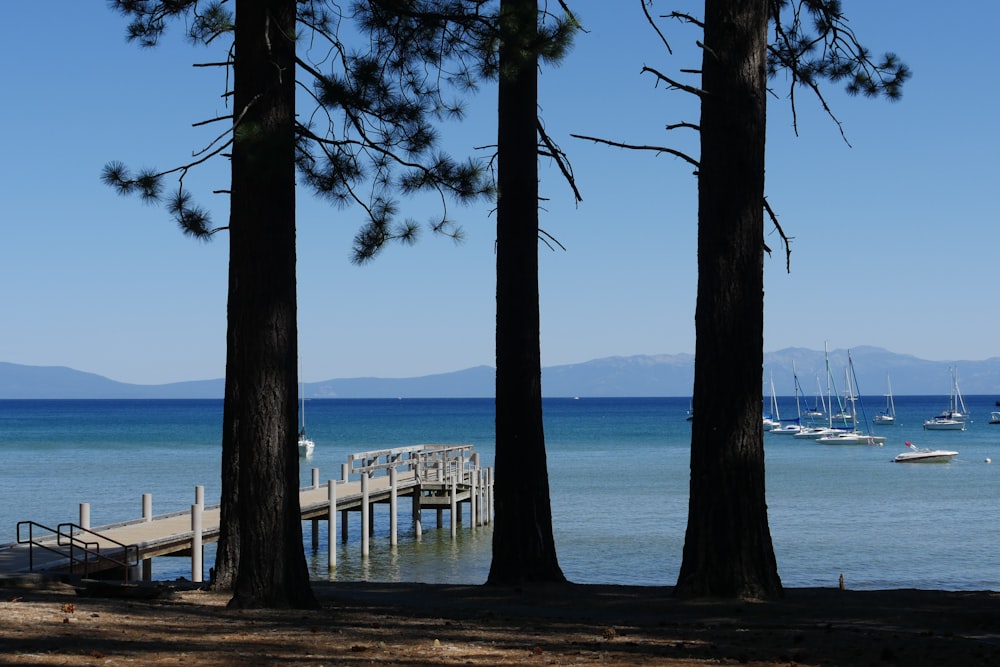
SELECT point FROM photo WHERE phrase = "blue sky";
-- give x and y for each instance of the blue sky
(893, 235)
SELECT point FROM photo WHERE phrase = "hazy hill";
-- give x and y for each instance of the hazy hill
(640, 375)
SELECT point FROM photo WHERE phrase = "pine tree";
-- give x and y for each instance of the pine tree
(384, 102)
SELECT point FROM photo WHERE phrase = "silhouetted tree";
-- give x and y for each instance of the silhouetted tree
(384, 99)
(727, 548)
(523, 544)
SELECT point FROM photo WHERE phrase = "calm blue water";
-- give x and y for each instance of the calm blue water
(618, 474)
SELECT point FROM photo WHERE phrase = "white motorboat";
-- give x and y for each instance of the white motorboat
(995, 417)
(921, 455)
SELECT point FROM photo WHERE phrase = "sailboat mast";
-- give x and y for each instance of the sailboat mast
(795, 377)
(774, 400)
(892, 403)
(829, 389)
(302, 402)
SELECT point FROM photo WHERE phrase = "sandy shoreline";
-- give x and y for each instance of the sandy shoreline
(48, 623)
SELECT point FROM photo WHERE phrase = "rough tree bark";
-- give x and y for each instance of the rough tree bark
(261, 376)
(523, 544)
(727, 548)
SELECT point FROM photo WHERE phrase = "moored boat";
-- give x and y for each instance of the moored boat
(851, 435)
(306, 444)
(922, 455)
(887, 417)
(851, 438)
(954, 417)
(944, 424)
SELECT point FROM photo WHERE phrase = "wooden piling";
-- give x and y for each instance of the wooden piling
(331, 528)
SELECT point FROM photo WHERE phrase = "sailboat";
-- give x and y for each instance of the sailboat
(887, 417)
(306, 445)
(816, 432)
(953, 418)
(795, 425)
(772, 420)
(853, 436)
(817, 410)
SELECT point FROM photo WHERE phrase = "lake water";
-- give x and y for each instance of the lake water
(618, 474)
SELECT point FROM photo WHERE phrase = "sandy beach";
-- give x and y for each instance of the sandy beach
(44, 622)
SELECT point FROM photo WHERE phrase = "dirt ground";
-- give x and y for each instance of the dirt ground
(49, 623)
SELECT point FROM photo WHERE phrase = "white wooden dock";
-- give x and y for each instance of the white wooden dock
(438, 477)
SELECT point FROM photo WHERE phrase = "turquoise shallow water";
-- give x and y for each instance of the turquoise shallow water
(618, 475)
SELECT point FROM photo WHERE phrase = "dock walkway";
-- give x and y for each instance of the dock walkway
(433, 476)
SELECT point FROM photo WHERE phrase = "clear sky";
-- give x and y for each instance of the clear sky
(894, 234)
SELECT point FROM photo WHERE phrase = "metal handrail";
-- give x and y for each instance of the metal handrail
(74, 542)
(68, 543)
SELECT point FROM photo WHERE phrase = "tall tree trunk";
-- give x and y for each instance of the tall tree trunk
(261, 384)
(228, 548)
(523, 545)
(727, 547)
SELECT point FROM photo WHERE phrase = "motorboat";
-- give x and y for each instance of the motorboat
(995, 417)
(921, 455)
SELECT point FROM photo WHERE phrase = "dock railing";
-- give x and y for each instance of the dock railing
(435, 477)
(429, 463)
(64, 540)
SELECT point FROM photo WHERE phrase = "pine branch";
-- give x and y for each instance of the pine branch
(672, 83)
(559, 156)
(657, 149)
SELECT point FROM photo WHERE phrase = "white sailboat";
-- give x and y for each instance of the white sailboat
(817, 410)
(953, 418)
(816, 431)
(306, 445)
(887, 417)
(794, 426)
(772, 420)
(852, 436)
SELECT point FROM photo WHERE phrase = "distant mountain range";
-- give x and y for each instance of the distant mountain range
(640, 375)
